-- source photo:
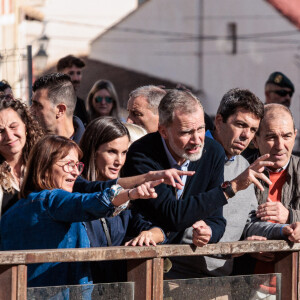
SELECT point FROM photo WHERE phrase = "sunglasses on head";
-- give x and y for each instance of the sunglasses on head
(282, 93)
(107, 99)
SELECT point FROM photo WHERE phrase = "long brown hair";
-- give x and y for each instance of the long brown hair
(100, 131)
(43, 156)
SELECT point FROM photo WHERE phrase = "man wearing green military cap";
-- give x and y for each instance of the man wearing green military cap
(279, 89)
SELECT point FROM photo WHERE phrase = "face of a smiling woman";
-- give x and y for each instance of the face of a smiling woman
(64, 177)
(12, 133)
(110, 158)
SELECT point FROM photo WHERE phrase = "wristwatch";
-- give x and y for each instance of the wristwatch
(227, 189)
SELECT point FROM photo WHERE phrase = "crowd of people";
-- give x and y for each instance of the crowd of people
(74, 174)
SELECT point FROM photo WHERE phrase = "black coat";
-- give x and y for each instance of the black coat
(202, 199)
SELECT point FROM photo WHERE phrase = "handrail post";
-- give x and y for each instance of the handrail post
(158, 278)
(287, 265)
(8, 282)
(22, 282)
(140, 272)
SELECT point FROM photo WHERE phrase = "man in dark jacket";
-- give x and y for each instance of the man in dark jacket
(72, 66)
(53, 104)
(179, 143)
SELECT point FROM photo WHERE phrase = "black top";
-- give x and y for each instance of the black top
(9, 199)
(80, 111)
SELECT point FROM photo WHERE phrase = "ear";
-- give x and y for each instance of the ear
(218, 121)
(61, 109)
(163, 131)
(254, 141)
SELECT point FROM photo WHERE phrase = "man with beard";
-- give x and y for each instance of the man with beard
(179, 143)
(237, 120)
(73, 66)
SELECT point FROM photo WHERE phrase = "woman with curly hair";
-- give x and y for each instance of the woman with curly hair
(18, 133)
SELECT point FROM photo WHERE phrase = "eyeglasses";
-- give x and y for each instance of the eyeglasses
(282, 93)
(107, 99)
(70, 166)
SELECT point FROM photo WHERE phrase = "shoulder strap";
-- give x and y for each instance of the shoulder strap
(106, 231)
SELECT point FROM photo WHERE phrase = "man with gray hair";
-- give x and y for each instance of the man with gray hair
(143, 107)
(53, 104)
(179, 143)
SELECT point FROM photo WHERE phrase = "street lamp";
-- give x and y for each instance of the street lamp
(40, 58)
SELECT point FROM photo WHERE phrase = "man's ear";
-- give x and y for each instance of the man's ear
(254, 141)
(163, 131)
(61, 109)
(218, 121)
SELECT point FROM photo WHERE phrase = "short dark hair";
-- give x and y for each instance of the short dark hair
(99, 131)
(4, 85)
(240, 98)
(69, 61)
(60, 90)
(46, 152)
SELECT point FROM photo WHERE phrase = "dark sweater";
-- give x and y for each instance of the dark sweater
(202, 198)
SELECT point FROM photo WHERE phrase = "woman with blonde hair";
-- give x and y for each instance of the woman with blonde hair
(135, 131)
(102, 100)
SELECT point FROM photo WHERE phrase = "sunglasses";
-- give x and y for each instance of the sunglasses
(100, 99)
(282, 93)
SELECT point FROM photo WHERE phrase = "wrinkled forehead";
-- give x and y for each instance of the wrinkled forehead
(277, 122)
(188, 118)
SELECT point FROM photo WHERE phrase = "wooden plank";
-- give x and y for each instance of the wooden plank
(22, 282)
(140, 272)
(287, 265)
(117, 253)
(8, 282)
(157, 280)
(298, 276)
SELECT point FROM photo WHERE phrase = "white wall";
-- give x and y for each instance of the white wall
(72, 24)
(256, 57)
(155, 40)
(162, 39)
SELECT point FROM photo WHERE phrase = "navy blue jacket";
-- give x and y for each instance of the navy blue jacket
(202, 199)
(121, 228)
